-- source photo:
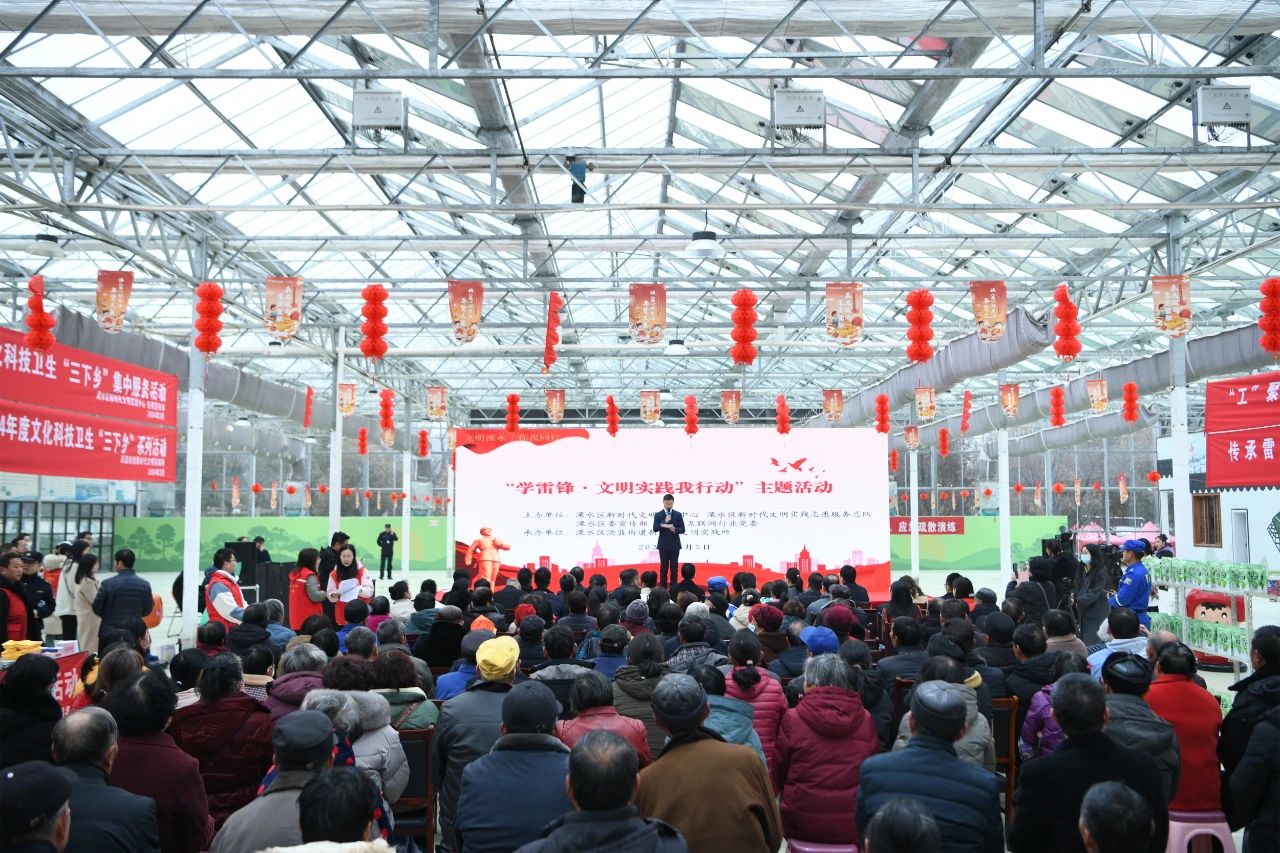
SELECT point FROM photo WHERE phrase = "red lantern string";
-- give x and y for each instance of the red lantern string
(290, 489)
(213, 485)
(368, 493)
(424, 446)
(346, 493)
(387, 408)
(1130, 406)
(690, 415)
(362, 441)
(919, 325)
(555, 302)
(611, 416)
(964, 494)
(323, 489)
(942, 496)
(1067, 345)
(1058, 488)
(208, 310)
(307, 406)
(1153, 476)
(893, 460)
(903, 497)
(1097, 486)
(966, 409)
(1058, 406)
(986, 493)
(743, 350)
(1269, 322)
(1017, 488)
(784, 415)
(882, 413)
(944, 442)
(256, 488)
(39, 321)
(924, 497)
(513, 412)
(374, 329)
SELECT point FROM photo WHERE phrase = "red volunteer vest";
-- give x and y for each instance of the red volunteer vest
(301, 608)
(230, 582)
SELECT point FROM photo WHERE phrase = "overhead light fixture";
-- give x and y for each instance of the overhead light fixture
(230, 428)
(310, 439)
(242, 421)
(676, 347)
(704, 244)
(45, 246)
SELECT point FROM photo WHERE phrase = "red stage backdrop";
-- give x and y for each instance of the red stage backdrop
(1242, 431)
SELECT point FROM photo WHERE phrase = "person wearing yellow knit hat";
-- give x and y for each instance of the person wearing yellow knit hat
(469, 725)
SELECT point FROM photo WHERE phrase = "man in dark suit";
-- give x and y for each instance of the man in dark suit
(668, 524)
(1051, 789)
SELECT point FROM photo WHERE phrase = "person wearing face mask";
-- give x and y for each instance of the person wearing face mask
(1091, 581)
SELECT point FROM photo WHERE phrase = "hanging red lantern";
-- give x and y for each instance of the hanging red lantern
(1153, 476)
(882, 413)
(513, 412)
(743, 350)
(290, 489)
(964, 494)
(1067, 345)
(387, 416)
(942, 496)
(919, 325)
(903, 497)
(1129, 409)
(374, 329)
(924, 497)
(307, 406)
(368, 493)
(346, 493)
(966, 408)
(39, 321)
(1269, 322)
(208, 310)
(1058, 488)
(1097, 486)
(424, 446)
(986, 493)
(783, 415)
(256, 488)
(1057, 406)
(690, 415)
(944, 442)
(611, 416)
(323, 489)
(1017, 488)
(362, 441)
(555, 302)
(893, 460)
(213, 485)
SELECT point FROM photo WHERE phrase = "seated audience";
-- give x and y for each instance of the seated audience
(875, 698)
(401, 602)
(28, 711)
(424, 612)
(326, 640)
(633, 686)
(976, 744)
(529, 641)
(443, 644)
(1124, 627)
(1255, 696)
(789, 662)
(1254, 787)
(984, 606)
(280, 633)
(104, 817)
(211, 638)
(379, 612)
(259, 667)
(184, 671)
(339, 807)
(1195, 715)
(354, 614)
(612, 645)
(1040, 734)
(687, 573)
(908, 651)
(527, 765)
(591, 701)
(998, 651)
(35, 805)
(603, 779)
(1115, 819)
(749, 683)
(576, 618)
(694, 649)
(1060, 631)
(452, 683)
(391, 639)
(902, 826)
(1034, 669)
(378, 750)
(252, 631)
(732, 719)
(361, 643)
(559, 648)
(395, 680)
(699, 779)
(1130, 721)
(299, 674)
(815, 790)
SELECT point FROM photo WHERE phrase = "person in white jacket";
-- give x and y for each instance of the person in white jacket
(349, 568)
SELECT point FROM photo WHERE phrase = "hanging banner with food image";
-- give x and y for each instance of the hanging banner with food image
(730, 406)
(926, 402)
(833, 404)
(844, 312)
(1010, 399)
(990, 309)
(1097, 394)
(555, 405)
(466, 307)
(437, 403)
(651, 406)
(1171, 300)
(647, 314)
(115, 287)
(282, 306)
(347, 398)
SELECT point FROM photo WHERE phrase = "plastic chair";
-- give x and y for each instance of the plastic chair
(796, 846)
(1184, 827)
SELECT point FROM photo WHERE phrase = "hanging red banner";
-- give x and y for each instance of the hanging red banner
(927, 525)
(1097, 394)
(555, 405)
(833, 404)
(911, 437)
(114, 289)
(648, 313)
(651, 406)
(37, 440)
(82, 381)
(844, 312)
(1242, 403)
(1010, 399)
(1242, 431)
(1171, 301)
(347, 398)
(466, 307)
(282, 306)
(437, 403)
(926, 402)
(990, 309)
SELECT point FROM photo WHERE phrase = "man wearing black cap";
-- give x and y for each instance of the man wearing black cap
(303, 743)
(1130, 720)
(35, 807)
(40, 599)
(509, 795)
(985, 605)
(699, 778)
(998, 651)
(107, 817)
(963, 798)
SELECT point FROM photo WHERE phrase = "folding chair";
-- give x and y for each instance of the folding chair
(415, 811)
(1006, 715)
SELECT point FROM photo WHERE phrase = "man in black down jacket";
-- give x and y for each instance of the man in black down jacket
(1034, 669)
(1052, 787)
(103, 817)
(123, 598)
(40, 603)
(908, 652)
(1255, 696)
(1130, 720)
(1255, 787)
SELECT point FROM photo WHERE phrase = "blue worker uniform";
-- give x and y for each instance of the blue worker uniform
(1134, 592)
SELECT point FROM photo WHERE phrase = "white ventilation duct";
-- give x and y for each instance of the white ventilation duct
(1111, 425)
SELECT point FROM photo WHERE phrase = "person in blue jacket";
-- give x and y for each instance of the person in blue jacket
(1135, 583)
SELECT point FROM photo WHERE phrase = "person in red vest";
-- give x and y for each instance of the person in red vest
(305, 593)
(224, 602)
(349, 568)
(13, 597)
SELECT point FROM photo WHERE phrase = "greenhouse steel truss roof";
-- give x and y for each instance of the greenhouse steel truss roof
(1039, 143)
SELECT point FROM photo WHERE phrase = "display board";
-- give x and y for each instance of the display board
(752, 498)
(1242, 431)
(976, 547)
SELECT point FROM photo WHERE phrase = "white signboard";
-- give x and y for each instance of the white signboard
(372, 108)
(1224, 105)
(799, 108)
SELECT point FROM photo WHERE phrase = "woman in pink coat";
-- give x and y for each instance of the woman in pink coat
(755, 686)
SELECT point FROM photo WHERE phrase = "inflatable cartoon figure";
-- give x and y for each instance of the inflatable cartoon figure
(485, 552)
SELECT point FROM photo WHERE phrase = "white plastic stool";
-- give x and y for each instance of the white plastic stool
(796, 846)
(1184, 827)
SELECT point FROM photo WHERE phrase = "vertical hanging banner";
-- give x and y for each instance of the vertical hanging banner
(833, 404)
(282, 306)
(648, 313)
(1077, 491)
(387, 437)
(651, 406)
(730, 406)
(1010, 399)
(990, 309)
(844, 312)
(555, 405)
(437, 403)
(1122, 485)
(1097, 394)
(1171, 301)
(235, 492)
(911, 437)
(926, 402)
(115, 287)
(466, 307)
(347, 398)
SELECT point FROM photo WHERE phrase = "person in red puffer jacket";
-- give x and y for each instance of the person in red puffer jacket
(591, 699)
(817, 762)
(756, 686)
(1195, 715)
(229, 733)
